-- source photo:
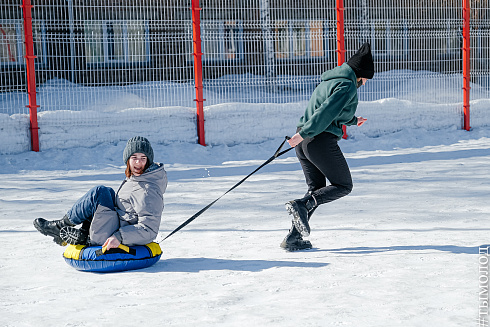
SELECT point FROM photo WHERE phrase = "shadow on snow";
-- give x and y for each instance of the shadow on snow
(195, 265)
(371, 250)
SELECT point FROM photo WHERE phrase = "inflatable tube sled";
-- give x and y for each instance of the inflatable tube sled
(98, 259)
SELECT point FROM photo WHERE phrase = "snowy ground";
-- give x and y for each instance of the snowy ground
(400, 250)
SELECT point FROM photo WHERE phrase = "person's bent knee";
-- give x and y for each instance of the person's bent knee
(101, 188)
(346, 189)
(104, 190)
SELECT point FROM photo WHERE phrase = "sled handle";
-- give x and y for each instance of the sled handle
(121, 246)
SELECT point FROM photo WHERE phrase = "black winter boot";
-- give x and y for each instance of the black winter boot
(299, 210)
(52, 228)
(294, 241)
(71, 235)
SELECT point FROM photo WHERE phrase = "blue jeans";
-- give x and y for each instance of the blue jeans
(84, 209)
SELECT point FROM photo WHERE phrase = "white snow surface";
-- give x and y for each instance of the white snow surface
(400, 250)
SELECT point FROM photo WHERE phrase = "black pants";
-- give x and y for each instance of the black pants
(322, 160)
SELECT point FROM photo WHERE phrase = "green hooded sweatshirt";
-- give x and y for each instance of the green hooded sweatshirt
(332, 104)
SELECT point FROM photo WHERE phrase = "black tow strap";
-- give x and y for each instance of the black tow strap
(278, 153)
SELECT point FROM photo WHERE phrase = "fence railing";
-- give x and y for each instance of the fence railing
(97, 56)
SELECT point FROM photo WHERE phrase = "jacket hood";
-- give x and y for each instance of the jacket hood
(155, 174)
(344, 71)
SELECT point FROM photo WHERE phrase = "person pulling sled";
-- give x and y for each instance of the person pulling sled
(332, 104)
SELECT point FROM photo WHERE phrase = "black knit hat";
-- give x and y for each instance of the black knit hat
(362, 62)
(138, 144)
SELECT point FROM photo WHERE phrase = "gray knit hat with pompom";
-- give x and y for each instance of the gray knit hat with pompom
(138, 144)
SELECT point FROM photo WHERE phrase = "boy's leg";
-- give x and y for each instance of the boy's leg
(325, 154)
(315, 180)
(314, 177)
(321, 159)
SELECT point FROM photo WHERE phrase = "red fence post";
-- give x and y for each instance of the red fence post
(31, 73)
(340, 33)
(196, 28)
(341, 43)
(466, 65)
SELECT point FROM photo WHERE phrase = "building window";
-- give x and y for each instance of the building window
(453, 42)
(300, 39)
(389, 39)
(480, 45)
(116, 42)
(222, 40)
(12, 46)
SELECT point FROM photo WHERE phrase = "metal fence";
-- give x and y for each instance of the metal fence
(12, 68)
(266, 51)
(104, 56)
(417, 45)
(480, 36)
(111, 55)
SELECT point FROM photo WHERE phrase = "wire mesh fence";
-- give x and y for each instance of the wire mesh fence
(480, 37)
(416, 46)
(265, 50)
(107, 56)
(99, 55)
(112, 55)
(12, 70)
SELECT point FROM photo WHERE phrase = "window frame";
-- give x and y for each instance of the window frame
(309, 40)
(239, 55)
(389, 53)
(40, 59)
(104, 44)
(454, 37)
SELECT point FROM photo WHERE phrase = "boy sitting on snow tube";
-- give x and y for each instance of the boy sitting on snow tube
(130, 216)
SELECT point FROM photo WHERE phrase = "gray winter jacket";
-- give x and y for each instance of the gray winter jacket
(139, 205)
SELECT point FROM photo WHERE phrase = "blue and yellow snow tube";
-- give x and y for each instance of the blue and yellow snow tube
(98, 259)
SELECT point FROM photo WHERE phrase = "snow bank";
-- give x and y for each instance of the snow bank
(66, 129)
(73, 115)
(225, 124)
(14, 133)
(235, 123)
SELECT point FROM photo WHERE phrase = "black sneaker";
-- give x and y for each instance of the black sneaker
(72, 235)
